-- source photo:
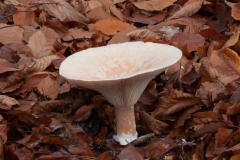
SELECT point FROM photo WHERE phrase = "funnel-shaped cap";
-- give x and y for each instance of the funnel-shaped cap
(120, 72)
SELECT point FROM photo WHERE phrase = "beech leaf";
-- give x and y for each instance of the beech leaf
(154, 5)
(110, 27)
(226, 62)
(49, 106)
(234, 109)
(63, 11)
(24, 16)
(44, 62)
(153, 124)
(49, 87)
(132, 153)
(174, 102)
(39, 45)
(10, 34)
(143, 34)
(191, 41)
(188, 10)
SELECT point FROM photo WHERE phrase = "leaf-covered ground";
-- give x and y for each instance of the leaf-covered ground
(191, 111)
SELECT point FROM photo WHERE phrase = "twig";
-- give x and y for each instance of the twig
(38, 4)
(10, 26)
(11, 14)
(35, 5)
(8, 15)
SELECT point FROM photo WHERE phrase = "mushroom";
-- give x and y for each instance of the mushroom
(120, 72)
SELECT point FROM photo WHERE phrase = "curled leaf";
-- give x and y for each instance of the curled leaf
(8, 100)
(153, 5)
(143, 34)
(188, 10)
(153, 124)
(44, 62)
(63, 11)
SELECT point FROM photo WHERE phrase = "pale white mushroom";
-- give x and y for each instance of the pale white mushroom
(120, 72)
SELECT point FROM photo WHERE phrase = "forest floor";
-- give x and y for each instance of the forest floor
(191, 111)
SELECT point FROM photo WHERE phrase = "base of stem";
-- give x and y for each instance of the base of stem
(125, 138)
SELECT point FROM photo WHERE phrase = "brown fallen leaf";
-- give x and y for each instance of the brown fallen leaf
(49, 87)
(207, 71)
(110, 27)
(154, 5)
(188, 9)
(158, 148)
(234, 10)
(142, 139)
(105, 156)
(174, 102)
(133, 14)
(44, 62)
(205, 117)
(17, 76)
(233, 39)
(3, 132)
(5, 66)
(12, 87)
(209, 92)
(190, 77)
(33, 80)
(49, 106)
(235, 157)
(234, 109)
(212, 127)
(226, 62)
(199, 154)
(153, 124)
(52, 140)
(192, 24)
(77, 34)
(191, 41)
(85, 6)
(149, 95)
(99, 13)
(235, 96)
(111, 8)
(121, 36)
(63, 11)
(100, 138)
(181, 66)
(187, 114)
(50, 35)
(220, 22)
(53, 155)
(117, 13)
(82, 113)
(24, 16)
(39, 45)
(58, 27)
(130, 152)
(79, 146)
(234, 149)
(110, 112)
(9, 101)
(222, 136)
(10, 34)
(143, 34)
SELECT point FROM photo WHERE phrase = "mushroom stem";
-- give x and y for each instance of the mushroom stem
(126, 127)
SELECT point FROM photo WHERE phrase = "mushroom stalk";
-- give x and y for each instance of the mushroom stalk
(126, 126)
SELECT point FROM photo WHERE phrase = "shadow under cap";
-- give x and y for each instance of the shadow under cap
(120, 72)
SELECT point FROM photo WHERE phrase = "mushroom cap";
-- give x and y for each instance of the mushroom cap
(120, 72)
